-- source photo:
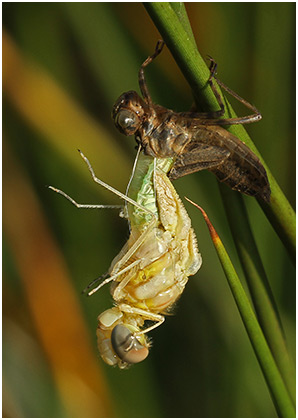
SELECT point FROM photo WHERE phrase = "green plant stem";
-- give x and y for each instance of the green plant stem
(181, 13)
(182, 46)
(258, 284)
(281, 397)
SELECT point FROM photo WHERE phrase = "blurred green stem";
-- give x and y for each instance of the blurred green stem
(175, 32)
(258, 284)
(281, 398)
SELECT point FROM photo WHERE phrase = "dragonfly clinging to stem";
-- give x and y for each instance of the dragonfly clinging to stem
(151, 271)
(195, 141)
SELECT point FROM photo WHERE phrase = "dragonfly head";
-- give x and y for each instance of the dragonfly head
(116, 339)
(128, 112)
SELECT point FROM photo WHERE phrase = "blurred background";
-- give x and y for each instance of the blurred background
(64, 66)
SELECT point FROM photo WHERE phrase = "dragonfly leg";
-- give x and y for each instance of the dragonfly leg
(142, 80)
(114, 277)
(103, 184)
(147, 315)
(116, 293)
(256, 116)
(214, 117)
(84, 206)
(117, 271)
(221, 111)
(103, 276)
(132, 250)
(108, 187)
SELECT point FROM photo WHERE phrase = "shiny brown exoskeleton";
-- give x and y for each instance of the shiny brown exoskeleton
(196, 141)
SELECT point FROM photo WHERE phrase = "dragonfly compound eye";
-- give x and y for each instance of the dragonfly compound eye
(126, 346)
(127, 122)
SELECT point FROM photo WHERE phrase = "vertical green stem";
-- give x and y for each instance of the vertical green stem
(280, 395)
(258, 284)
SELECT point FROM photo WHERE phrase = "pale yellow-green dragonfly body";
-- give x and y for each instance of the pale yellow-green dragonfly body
(152, 269)
(150, 272)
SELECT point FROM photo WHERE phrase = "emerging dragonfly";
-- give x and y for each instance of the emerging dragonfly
(150, 272)
(195, 141)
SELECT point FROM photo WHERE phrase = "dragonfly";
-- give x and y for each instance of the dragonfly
(150, 272)
(195, 141)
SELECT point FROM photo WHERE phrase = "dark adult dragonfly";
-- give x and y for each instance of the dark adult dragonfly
(196, 141)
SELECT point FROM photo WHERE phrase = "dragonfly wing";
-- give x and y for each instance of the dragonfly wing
(198, 156)
(222, 153)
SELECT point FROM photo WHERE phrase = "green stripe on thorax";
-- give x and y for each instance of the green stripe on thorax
(142, 190)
